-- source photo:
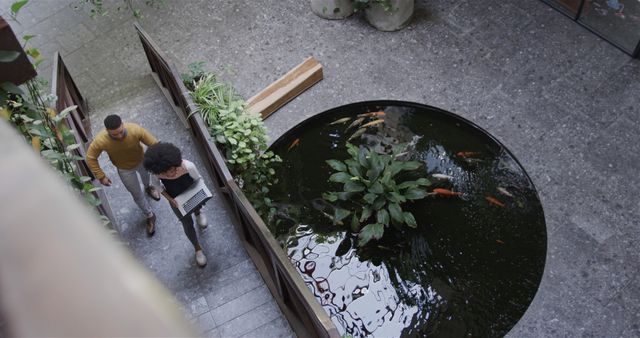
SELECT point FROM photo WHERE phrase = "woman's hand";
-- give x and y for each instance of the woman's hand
(173, 203)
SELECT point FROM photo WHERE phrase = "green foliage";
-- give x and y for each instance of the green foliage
(372, 191)
(42, 126)
(8, 55)
(15, 8)
(241, 137)
(48, 134)
(359, 5)
(195, 72)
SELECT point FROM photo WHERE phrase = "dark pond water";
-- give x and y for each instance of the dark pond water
(471, 268)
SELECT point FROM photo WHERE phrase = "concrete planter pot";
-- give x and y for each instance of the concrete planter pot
(332, 9)
(397, 18)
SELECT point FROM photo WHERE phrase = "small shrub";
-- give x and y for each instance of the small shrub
(195, 72)
(241, 137)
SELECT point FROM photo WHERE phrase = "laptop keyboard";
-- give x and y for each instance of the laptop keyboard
(194, 201)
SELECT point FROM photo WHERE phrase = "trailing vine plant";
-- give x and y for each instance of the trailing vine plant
(46, 131)
(41, 126)
(241, 137)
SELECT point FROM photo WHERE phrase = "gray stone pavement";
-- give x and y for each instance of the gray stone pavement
(227, 298)
(565, 102)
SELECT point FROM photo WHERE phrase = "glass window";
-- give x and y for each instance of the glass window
(616, 20)
(570, 7)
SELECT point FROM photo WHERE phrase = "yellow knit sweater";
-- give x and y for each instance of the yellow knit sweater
(124, 154)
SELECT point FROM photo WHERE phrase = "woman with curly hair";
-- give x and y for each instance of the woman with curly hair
(176, 175)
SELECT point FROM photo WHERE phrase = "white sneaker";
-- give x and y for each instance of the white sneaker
(201, 219)
(201, 259)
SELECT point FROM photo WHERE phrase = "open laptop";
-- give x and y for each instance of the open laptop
(195, 196)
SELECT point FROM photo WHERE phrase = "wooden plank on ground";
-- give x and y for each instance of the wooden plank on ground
(292, 84)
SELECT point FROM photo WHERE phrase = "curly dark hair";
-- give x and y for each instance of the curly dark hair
(161, 157)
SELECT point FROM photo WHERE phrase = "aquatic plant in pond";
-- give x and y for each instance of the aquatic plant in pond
(372, 191)
(470, 267)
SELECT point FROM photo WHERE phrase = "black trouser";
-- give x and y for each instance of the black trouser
(187, 225)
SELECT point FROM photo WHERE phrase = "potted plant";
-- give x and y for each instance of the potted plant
(332, 9)
(386, 15)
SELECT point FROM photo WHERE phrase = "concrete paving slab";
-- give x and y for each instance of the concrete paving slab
(241, 305)
(276, 328)
(204, 322)
(250, 321)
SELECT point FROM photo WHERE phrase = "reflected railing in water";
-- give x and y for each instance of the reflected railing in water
(470, 268)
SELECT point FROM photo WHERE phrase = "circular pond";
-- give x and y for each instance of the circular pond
(471, 265)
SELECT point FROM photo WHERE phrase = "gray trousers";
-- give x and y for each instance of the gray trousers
(131, 181)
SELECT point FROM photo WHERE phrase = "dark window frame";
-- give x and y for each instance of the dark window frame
(576, 18)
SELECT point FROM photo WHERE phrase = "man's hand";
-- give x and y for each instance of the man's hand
(105, 181)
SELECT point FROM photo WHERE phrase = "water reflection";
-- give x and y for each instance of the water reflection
(470, 268)
(366, 303)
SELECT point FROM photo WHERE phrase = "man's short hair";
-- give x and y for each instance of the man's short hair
(112, 122)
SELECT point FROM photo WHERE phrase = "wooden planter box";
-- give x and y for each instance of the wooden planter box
(304, 313)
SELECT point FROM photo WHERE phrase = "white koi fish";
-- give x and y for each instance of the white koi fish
(339, 121)
(442, 177)
(504, 191)
(372, 123)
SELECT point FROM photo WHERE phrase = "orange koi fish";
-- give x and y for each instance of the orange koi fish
(494, 201)
(445, 192)
(295, 143)
(465, 154)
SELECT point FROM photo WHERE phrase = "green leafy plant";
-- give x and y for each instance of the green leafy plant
(373, 191)
(195, 72)
(359, 5)
(15, 8)
(241, 137)
(34, 53)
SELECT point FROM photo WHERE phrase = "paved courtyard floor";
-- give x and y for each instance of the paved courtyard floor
(565, 102)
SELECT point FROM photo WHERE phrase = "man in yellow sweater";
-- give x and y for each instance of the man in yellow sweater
(122, 141)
